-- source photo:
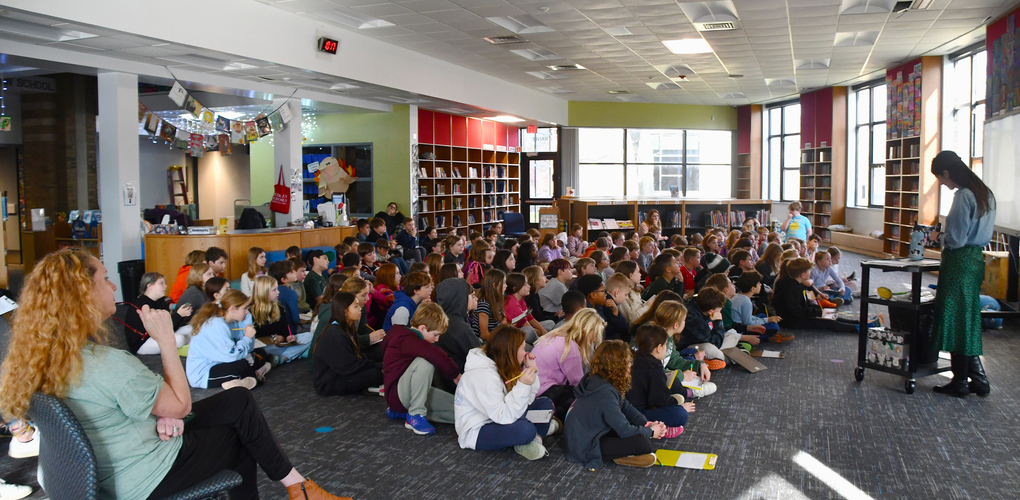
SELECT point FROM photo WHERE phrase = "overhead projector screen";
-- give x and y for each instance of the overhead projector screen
(1000, 169)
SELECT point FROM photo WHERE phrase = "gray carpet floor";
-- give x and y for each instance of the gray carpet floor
(803, 428)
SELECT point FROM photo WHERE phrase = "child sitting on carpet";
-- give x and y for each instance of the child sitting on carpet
(562, 356)
(793, 300)
(649, 387)
(723, 283)
(415, 288)
(338, 368)
(624, 291)
(742, 308)
(497, 392)
(827, 281)
(704, 327)
(669, 312)
(516, 310)
(602, 425)
(410, 359)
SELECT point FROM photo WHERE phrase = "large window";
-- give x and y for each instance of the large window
(782, 153)
(866, 154)
(965, 85)
(655, 163)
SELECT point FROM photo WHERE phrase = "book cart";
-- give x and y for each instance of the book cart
(904, 342)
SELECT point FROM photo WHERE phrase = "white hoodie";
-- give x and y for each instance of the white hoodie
(482, 398)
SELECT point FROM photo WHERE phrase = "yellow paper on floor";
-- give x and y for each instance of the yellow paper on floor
(686, 459)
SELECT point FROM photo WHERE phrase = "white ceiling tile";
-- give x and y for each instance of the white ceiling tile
(386, 9)
(425, 6)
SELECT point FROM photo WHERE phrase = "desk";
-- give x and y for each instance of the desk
(164, 253)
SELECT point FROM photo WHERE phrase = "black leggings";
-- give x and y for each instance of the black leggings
(228, 432)
(613, 446)
(225, 372)
(370, 376)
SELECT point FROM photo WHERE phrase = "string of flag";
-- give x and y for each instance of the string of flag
(218, 132)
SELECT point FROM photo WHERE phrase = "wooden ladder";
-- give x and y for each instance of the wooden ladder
(174, 178)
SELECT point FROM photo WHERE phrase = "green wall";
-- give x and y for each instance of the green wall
(648, 115)
(390, 136)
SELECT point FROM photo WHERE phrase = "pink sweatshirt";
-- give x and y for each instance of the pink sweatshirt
(553, 372)
(514, 308)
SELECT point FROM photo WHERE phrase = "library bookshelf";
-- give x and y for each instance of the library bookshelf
(678, 216)
(816, 189)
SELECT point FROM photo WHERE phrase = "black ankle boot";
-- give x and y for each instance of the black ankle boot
(978, 381)
(958, 386)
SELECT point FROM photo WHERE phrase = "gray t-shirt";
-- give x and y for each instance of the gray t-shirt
(114, 404)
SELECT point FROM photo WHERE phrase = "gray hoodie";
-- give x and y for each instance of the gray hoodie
(599, 408)
(452, 296)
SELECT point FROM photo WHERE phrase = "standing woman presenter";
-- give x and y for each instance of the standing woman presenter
(968, 229)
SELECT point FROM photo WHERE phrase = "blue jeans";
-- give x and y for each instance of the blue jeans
(295, 351)
(844, 294)
(493, 436)
(672, 416)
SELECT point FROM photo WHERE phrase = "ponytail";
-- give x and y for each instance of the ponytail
(230, 298)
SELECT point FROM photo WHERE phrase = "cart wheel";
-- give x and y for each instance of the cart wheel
(909, 386)
(859, 373)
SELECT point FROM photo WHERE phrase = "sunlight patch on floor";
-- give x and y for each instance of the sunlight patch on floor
(831, 478)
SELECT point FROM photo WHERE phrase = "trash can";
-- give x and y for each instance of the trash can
(131, 272)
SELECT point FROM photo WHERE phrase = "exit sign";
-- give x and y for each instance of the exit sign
(532, 129)
(328, 45)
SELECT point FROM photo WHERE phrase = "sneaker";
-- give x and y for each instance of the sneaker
(27, 449)
(646, 460)
(838, 301)
(376, 390)
(707, 389)
(532, 451)
(261, 372)
(275, 360)
(672, 432)
(779, 338)
(554, 426)
(745, 346)
(852, 276)
(419, 425)
(395, 415)
(715, 364)
(13, 491)
(308, 490)
(246, 382)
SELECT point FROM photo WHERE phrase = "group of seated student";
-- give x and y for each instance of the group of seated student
(509, 341)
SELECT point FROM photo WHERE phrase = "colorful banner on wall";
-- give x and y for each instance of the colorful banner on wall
(1002, 43)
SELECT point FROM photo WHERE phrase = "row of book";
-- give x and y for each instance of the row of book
(610, 225)
(488, 171)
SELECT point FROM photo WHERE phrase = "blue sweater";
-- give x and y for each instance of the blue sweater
(400, 299)
(289, 301)
(216, 343)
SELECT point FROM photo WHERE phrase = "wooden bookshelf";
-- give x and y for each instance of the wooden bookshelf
(683, 216)
(747, 171)
(816, 188)
(911, 190)
(469, 172)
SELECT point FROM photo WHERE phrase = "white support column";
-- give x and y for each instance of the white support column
(287, 153)
(118, 164)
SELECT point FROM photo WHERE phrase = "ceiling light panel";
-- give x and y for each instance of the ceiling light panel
(537, 54)
(866, 6)
(520, 24)
(548, 75)
(688, 46)
(856, 39)
(663, 85)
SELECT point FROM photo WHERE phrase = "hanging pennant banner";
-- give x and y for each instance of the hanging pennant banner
(222, 124)
(223, 142)
(264, 127)
(251, 131)
(141, 112)
(285, 114)
(151, 123)
(194, 107)
(168, 131)
(276, 121)
(177, 94)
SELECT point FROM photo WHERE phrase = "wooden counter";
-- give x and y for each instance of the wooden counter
(165, 253)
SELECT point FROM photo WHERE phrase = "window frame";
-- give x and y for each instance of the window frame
(683, 162)
(767, 154)
(870, 124)
(968, 109)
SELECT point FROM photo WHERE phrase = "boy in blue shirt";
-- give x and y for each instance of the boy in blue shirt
(283, 272)
(796, 225)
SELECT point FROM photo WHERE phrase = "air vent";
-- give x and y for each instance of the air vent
(565, 67)
(726, 26)
(618, 92)
(265, 79)
(504, 40)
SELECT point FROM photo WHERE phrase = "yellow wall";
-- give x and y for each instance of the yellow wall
(647, 115)
(389, 134)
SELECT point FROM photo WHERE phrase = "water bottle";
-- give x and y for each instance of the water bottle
(917, 237)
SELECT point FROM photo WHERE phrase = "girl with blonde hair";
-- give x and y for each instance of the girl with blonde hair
(563, 355)
(64, 352)
(272, 326)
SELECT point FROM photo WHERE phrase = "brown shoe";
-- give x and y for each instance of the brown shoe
(646, 460)
(308, 490)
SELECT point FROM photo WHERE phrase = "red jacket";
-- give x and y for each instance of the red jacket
(400, 346)
(180, 284)
(688, 275)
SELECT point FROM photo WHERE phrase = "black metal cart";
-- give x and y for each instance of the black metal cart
(913, 369)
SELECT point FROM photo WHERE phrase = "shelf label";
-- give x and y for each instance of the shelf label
(603, 203)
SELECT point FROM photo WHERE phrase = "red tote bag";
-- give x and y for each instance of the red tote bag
(281, 196)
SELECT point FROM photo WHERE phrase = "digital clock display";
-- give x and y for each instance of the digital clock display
(328, 45)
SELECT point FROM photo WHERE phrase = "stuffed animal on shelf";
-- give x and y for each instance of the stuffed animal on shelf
(335, 176)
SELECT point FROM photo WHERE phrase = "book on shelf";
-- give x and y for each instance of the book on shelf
(473, 171)
(674, 191)
(423, 172)
(455, 171)
(457, 204)
(610, 224)
(456, 189)
(423, 190)
(424, 205)
(472, 188)
(716, 218)
(423, 222)
(440, 189)
(456, 221)
(471, 218)
(626, 224)
(595, 224)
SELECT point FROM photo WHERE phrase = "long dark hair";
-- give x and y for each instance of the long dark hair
(338, 312)
(950, 163)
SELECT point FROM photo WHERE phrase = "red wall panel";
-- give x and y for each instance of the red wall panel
(460, 131)
(443, 131)
(807, 119)
(425, 135)
(744, 129)
(823, 117)
(474, 133)
(501, 135)
(513, 138)
(488, 134)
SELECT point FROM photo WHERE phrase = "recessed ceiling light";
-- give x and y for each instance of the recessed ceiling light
(565, 67)
(343, 86)
(545, 75)
(521, 24)
(688, 46)
(662, 85)
(856, 39)
(866, 6)
(504, 40)
(733, 95)
(537, 54)
(618, 92)
(505, 119)
(618, 31)
(556, 90)
(806, 64)
(736, 76)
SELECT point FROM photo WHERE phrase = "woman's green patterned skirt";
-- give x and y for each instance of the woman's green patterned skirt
(957, 326)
